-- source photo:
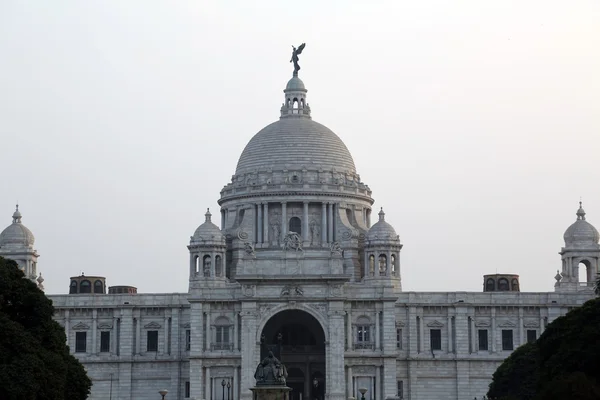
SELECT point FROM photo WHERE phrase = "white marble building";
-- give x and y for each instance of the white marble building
(296, 255)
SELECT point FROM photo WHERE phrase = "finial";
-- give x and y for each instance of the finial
(17, 215)
(580, 212)
(208, 215)
(381, 215)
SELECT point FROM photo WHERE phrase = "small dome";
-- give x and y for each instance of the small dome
(581, 232)
(208, 231)
(295, 84)
(382, 230)
(16, 234)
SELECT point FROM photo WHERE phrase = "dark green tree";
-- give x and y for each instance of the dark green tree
(35, 363)
(517, 377)
(561, 364)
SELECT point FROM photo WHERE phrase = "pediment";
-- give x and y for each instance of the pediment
(399, 324)
(104, 325)
(482, 324)
(186, 326)
(435, 324)
(507, 324)
(152, 325)
(531, 324)
(80, 327)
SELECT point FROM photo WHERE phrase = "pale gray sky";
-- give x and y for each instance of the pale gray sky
(475, 123)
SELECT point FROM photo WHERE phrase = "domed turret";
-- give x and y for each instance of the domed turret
(16, 243)
(16, 234)
(382, 230)
(581, 252)
(207, 251)
(382, 252)
(208, 231)
(581, 233)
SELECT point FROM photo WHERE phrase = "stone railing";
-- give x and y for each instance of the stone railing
(221, 346)
(364, 346)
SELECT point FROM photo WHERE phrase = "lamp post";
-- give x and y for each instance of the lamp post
(315, 389)
(223, 385)
(163, 393)
(228, 389)
(362, 391)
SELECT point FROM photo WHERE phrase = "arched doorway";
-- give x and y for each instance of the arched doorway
(298, 340)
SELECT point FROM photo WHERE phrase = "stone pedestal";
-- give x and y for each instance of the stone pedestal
(271, 392)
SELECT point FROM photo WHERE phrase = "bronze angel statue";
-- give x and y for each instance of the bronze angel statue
(295, 53)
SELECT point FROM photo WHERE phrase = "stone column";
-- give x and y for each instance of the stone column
(422, 329)
(521, 328)
(493, 329)
(411, 326)
(305, 233)
(166, 336)
(350, 333)
(207, 388)
(138, 332)
(94, 331)
(330, 223)
(473, 336)
(324, 224)
(449, 319)
(207, 336)
(349, 382)
(283, 219)
(213, 264)
(235, 330)
(67, 326)
(249, 347)
(377, 346)
(335, 356)
(222, 223)
(259, 224)
(389, 382)
(388, 271)
(265, 225)
(368, 218)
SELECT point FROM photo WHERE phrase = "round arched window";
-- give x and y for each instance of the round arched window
(98, 287)
(490, 285)
(73, 287)
(296, 225)
(85, 287)
(503, 285)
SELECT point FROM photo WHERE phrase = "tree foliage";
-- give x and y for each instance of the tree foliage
(35, 363)
(561, 364)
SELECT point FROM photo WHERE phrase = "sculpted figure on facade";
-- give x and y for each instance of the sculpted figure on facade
(292, 241)
(249, 249)
(336, 249)
(314, 228)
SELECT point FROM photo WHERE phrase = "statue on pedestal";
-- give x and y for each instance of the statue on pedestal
(270, 372)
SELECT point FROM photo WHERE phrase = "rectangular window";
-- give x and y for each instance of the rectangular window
(400, 387)
(187, 390)
(399, 339)
(188, 339)
(104, 342)
(483, 339)
(507, 339)
(435, 336)
(152, 341)
(80, 342)
(531, 335)
(222, 334)
(364, 334)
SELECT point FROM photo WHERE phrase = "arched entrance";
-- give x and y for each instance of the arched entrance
(298, 340)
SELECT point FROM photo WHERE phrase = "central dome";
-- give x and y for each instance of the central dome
(294, 144)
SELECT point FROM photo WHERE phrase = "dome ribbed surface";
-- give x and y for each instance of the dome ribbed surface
(208, 231)
(294, 143)
(295, 84)
(16, 234)
(581, 232)
(382, 231)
